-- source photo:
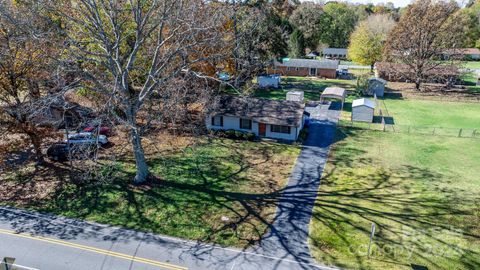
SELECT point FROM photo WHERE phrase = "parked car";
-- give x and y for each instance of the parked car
(58, 152)
(83, 138)
(103, 130)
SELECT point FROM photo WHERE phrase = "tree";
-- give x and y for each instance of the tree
(471, 17)
(307, 18)
(297, 44)
(368, 39)
(338, 22)
(130, 51)
(28, 47)
(425, 30)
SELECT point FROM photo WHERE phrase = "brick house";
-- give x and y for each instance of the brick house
(305, 67)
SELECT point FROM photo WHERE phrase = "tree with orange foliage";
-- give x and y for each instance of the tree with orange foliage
(27, 51)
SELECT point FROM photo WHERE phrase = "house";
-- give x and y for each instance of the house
(376, 86)
(463, 53)
(276, 119)
(335, 53)
(313, 55)
(363, 110)
(305, 67)
(268, 81)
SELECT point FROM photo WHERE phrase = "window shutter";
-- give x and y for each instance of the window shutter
(213, 120)
(221, 121)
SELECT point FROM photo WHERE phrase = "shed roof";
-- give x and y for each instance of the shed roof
(363, 102)
(308, 63)
(334, 92)
(337, 51)
(275, 112)
(378, 80)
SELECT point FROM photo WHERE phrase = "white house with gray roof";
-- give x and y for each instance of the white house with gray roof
(276, 119)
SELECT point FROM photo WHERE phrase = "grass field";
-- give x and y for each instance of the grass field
(421, 192)
(471, 64)
(426, 113)
(434, 113)
(194, 188)
(470, 80)
(312, 87)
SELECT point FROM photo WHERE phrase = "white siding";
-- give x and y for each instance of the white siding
(362, 114)
(292, 136)
(230, 122)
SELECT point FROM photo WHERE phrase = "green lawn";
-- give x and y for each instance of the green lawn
(471, 64)
(422, 193)
(194, 188)
(312, 87)
(434, 113)
(470, 80)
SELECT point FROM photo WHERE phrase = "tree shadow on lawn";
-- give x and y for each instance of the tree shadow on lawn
(412, 223)
(192, 205)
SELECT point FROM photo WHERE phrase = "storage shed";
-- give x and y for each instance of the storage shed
(363, 110)
(268, 81)
(297, 96)
(376, 86)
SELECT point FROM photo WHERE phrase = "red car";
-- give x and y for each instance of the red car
(104, 130)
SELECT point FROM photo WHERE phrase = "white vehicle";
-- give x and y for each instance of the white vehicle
(86, 138)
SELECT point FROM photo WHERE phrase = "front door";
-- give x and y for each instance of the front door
(262, 129)
(313, 72)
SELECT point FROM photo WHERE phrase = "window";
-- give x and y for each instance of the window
(289, 68)
(245, 124)
(217, 121)
(297, 69)
(280, 129)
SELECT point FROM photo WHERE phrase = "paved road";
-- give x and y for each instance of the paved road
(288, 236)
(49, 242)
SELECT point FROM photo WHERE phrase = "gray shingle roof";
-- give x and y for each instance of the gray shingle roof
(275, 112)
(309, 63)
(337, 51)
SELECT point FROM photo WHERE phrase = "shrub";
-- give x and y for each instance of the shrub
(235, 135)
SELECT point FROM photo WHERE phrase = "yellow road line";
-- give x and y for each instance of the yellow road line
(96, 250)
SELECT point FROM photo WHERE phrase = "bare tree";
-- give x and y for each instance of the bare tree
(425, 31)
(28, 47)
(127, 50)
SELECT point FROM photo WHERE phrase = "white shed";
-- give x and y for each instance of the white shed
(297, 96)
(268, 81)
(363, 110)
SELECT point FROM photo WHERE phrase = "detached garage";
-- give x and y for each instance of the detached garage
(363, 110)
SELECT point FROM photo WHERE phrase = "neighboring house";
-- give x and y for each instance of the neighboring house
(268, 81)
(313, 55)
(276, 119)
(376, 86)
(335, 53)
(305, 67)
(363, 110)
(463, 53)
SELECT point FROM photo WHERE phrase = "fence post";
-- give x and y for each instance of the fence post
(460, 133)
(433, 133)
(474, 133)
